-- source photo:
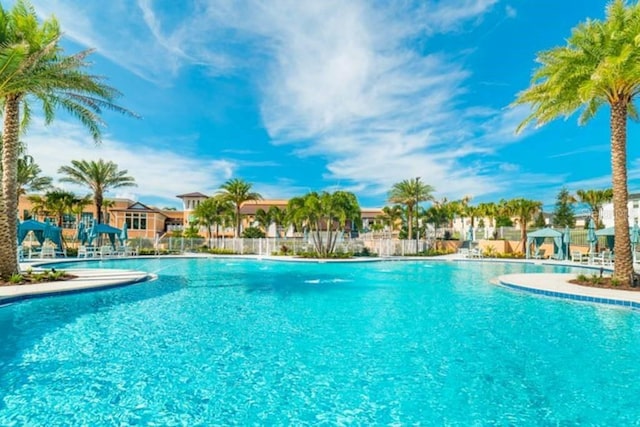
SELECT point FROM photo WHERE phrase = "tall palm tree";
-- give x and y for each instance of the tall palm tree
(34, 68)
(99, 176)
(238, 192)
(524, 210)
(595, 199)
(29, 178)
(410, 193)
(599, 65)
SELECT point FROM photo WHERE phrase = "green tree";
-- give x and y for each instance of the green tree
(238, 191)
(279, 218)
(564, 214)
(29, 178)
(253, 233)
(35, 69)
(440, 213)
(99, 176)
(58, 203)
(410, 193)
(600, 65)
(595, 199)
(324, 214)
(539, 221)
(391, 217)
(523, 210)
(207, 215)
(263, 219)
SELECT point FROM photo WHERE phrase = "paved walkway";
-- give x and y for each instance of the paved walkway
(557, 285)
(88, 278)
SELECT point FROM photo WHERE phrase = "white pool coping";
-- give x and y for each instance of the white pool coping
(86, 279)
(547, 284)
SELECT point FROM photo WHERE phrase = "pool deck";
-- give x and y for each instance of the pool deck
(547, 284)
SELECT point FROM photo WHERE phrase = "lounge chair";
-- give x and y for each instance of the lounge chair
(539, 254)
(577, 256)
(105, 251)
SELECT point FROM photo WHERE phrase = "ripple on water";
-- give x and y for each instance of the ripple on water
(219, 342)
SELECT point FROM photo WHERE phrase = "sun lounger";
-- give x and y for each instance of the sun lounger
(539, 254)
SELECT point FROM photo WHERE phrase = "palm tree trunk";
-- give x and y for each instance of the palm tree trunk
(237, 220)
(523, 234)
(623, 267)
(409, 222)
(98, 201)
(8, 201)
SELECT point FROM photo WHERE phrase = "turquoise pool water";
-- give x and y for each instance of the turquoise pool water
(218, 342)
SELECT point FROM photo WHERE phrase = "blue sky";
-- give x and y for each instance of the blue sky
(356, 95)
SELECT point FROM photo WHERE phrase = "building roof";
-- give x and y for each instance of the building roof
(138, 207)
(192, 195)
(251, 207)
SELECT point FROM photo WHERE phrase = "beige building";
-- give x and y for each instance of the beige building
(149, 222)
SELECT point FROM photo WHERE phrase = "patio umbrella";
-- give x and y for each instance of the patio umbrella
(124, 234)
(81, 233)
(92, 233)
(591, 236)
(635, 236)
(567, 241)
(470, 234)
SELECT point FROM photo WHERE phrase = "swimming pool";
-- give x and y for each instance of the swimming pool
(222, 341)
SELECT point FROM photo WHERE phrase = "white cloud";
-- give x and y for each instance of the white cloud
(159, 173)
(342, 80)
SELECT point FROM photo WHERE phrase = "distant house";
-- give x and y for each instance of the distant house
(633, 205)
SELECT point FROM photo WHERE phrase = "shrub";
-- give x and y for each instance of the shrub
(16, 279)
(365, 252)
(253, 233)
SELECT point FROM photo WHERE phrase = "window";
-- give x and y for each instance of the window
(68, 221)
(86, 218)
(136, 220)
(26, 215)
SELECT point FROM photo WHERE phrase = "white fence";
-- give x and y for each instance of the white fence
(271, 246)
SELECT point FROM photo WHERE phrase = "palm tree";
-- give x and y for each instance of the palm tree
(263, 219)
(599, 65)
(524, 210)
(328, 212)
(207, 215)
(410, 193)
(391, 216)
(38, 206)
(99, 176)
(59, 203)
(106, 205)
(78, 207)
(34, 68)
(238, 192)
(279, 218)
(28, 176)
(595, 199)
